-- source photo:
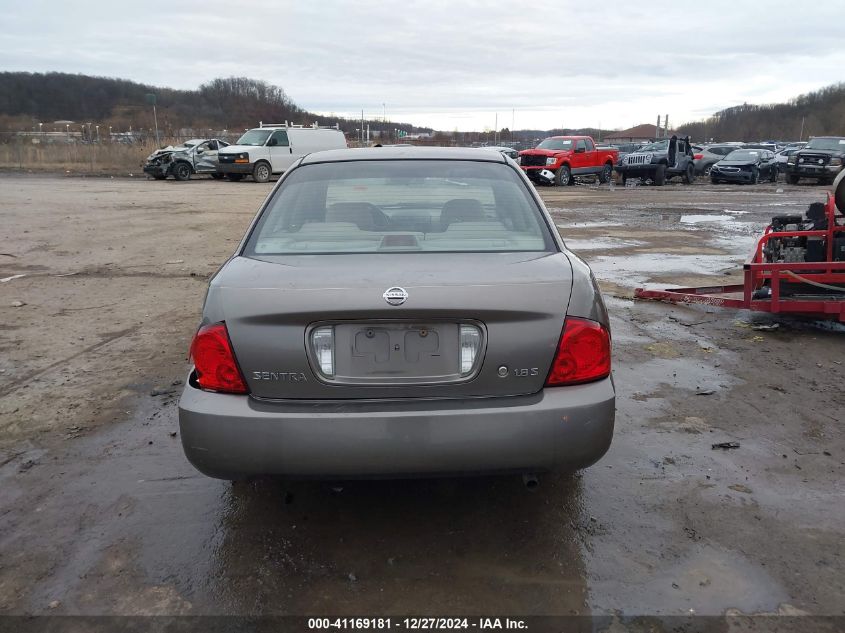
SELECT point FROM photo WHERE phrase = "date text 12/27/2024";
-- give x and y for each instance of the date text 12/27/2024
(415, 623)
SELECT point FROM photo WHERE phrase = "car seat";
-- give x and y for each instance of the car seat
(461, 210)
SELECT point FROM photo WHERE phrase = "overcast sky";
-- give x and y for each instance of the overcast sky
(452, 64)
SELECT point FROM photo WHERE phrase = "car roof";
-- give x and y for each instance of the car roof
(404, 153)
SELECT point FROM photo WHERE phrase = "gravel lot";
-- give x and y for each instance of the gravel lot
(101, 514)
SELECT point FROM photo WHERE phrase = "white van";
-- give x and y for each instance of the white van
(272, 148)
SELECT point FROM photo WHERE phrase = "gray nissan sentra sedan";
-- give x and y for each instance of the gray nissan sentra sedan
(399, 312)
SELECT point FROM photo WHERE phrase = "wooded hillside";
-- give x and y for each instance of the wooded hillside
(227, 103)
(822, 112)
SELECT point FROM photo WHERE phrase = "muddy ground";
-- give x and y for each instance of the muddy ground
(101, 514)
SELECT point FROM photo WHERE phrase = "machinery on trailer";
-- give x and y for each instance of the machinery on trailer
(797, 267)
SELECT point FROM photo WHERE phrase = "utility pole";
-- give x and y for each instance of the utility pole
(496, 130)
(151, 99)
(801, 136)
(362, 128)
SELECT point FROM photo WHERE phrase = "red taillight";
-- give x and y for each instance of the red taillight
(583, 354)
(215, 362)
(697, 156)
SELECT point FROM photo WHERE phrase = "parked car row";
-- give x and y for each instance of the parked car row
(272, 149)
(260, 153)
(556, 160)
(820, 159)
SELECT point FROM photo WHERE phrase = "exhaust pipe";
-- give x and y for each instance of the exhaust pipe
(530, 481)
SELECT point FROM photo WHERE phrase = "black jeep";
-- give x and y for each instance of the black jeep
(660, 160)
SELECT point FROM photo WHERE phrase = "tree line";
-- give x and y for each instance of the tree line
(818, 113)
(225, 103)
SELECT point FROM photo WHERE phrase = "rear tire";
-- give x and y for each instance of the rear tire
(773, 176)
(182, 171)
(689, 174)
(234, 177)
(624, 180)
(792, 180)
(217, 176)
(563, 176)
(706, 171)
(660, 176)
(261, 172)
(606, 173)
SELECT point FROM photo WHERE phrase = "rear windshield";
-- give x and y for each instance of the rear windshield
(400, 206)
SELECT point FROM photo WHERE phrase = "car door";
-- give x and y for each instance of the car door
(769, 162)
(591, 161)
(205, 157)
(681, 154)
(281, 152)
(579, 158)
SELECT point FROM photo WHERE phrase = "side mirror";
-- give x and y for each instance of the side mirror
(580, 150)
(200, 151)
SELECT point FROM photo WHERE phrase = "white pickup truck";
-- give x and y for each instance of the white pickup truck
(271, 149)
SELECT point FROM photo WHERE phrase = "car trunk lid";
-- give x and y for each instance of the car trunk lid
(515, 303)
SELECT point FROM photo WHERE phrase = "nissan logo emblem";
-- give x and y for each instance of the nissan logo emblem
(395, 296)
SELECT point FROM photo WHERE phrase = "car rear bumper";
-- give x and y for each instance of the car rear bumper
(231, 436)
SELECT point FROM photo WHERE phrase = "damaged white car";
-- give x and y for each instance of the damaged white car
(196, 156)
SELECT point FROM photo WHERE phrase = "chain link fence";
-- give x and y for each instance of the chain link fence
(88, 151)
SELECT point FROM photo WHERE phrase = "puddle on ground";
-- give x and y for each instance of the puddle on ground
(681, 373)
(701, 582)
(585, 225)
(695, 219)
(636, 270)
(607, 243)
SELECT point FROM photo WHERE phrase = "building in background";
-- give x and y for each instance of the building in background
(640, 134)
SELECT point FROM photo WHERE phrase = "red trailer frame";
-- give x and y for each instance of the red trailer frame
(758, 272)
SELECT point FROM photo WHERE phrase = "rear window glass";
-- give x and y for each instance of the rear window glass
(400, 206)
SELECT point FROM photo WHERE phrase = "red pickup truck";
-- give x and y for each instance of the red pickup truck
(569, 156)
